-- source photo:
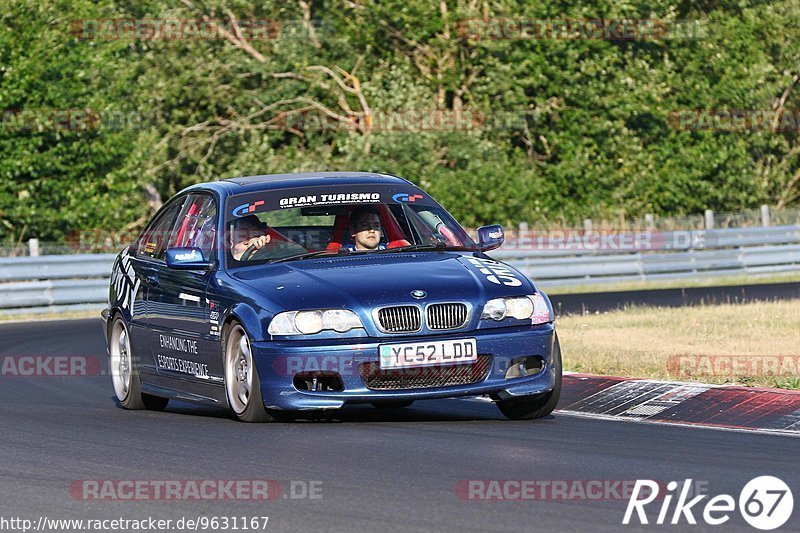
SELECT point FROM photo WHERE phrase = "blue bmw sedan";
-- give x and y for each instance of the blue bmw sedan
(269, 295)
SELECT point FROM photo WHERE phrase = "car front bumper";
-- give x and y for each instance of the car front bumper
(279, 361)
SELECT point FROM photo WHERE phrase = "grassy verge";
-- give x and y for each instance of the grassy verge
(62, 315)
(748, 344)
(678, 283)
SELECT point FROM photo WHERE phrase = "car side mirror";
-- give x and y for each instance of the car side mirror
(491, 237)
(187, 259)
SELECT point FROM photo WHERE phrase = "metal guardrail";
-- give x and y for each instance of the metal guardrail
(574, 242)
(565, 260)
(641, 267)
(51, 267)
(38, 283)
(54, 280)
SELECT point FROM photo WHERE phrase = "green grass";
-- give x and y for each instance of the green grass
(641, 341)
(65, 315)
(680, 283)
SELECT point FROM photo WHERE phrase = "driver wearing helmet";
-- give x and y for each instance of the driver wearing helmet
(246, 232)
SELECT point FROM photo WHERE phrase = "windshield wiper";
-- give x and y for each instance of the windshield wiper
(345, 251)
(426, 248)
(308, 255)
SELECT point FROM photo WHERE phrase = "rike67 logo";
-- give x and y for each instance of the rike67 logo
(765, 503)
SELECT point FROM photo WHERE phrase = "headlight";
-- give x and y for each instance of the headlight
(340, 320)
(308, 322)
(311, 322)
(495, 309)
(532, 307)
(519, 308)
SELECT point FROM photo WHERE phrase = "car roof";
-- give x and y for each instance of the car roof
(246, 184)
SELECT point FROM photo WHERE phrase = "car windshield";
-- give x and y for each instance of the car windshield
(257, 232)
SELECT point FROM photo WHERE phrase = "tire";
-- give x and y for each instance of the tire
(154, 403)
(399, 404)
(242, 384)
(124, 374)
(541, 404)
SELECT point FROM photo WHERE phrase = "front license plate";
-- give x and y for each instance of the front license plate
(428, 353)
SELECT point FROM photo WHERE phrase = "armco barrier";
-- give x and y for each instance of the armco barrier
(557, 261)
(54, 280)
(38, 283)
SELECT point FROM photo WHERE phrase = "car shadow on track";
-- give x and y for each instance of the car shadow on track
(449, 410)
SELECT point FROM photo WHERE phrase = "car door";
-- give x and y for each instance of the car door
(142, 261)
(181, 339)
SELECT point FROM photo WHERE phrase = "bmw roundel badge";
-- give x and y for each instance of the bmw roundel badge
(418, 294)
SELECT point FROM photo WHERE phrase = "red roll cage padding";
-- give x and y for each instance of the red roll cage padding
(339, 225)
(184, 225)
(393, 232)
(449, 236)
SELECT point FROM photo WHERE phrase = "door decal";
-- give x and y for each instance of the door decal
(124, 281)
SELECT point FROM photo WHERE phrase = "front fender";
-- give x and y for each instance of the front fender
(254, 323)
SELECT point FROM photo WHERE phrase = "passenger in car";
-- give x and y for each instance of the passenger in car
(365, 229)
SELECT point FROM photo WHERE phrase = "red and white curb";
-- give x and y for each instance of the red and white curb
(697, 404)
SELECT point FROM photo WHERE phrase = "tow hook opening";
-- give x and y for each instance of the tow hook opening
(318, 381)
(520, 367)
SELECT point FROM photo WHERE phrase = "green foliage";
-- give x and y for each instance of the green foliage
(60, 173)
(565, 128)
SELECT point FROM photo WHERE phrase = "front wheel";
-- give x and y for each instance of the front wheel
(124, 374)
(539, 405)
(241, 378)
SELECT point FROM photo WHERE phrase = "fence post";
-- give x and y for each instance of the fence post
(765, 216)
(33, 246)
(709, 219)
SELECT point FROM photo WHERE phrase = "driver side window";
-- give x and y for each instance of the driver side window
(153, 241)
(196, 226)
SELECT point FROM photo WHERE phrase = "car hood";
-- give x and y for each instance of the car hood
(372, 280)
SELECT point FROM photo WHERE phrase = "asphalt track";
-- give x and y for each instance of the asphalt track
(592, 302)
(380, 470)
